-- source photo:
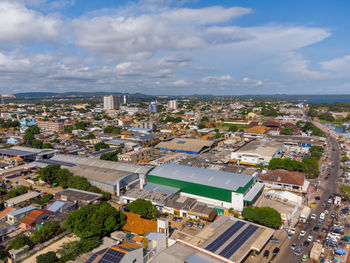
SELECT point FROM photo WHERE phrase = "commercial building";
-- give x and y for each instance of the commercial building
(226, 240)
(256, 152)
(51, 126)
(148, 125)
(22, 199)
(256, 132)
(193, 146)
(136, 156)
(111, 102)
(172, 105)
(215, 188)
(78, 196)
(284, 180)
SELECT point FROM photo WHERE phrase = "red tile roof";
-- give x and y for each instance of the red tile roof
(283, 176)
(33, 215)
(4, 212)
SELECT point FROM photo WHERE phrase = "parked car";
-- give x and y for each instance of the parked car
(201, 226)
(274, 240)
(266, 254)
(302, 233)
(313, 216)
(322, 216)
(179, 219)
(310, 238)
(174, 218)
(324, 230)
(293, 246)
(292, 231)
(306, 243)
(276, 250)
(189, 224)
(196, 224)
(298, 251)
(316, 228)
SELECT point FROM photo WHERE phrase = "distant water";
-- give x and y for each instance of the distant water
(325, 100)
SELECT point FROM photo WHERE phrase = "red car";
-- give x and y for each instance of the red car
(329, 175)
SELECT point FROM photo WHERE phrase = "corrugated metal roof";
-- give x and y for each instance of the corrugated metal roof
(22, 198)
(219, 179)
(23, 210)
(249, 197)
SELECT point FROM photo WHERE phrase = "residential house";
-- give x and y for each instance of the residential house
(285, 180)
(35, 217)
(17, 215)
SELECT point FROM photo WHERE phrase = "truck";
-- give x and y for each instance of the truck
(304, 215)
(316, 251)
(337, 200)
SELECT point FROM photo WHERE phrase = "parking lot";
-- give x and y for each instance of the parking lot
(186, 225)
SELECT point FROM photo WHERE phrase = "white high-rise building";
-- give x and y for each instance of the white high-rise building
(172, 105)
(125, 99)
(111, 102)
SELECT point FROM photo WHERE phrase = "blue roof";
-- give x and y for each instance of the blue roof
(23, 210)
(57, 205)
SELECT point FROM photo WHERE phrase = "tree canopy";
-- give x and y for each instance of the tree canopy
(142, 207)
(49, 257)
(18, 190)
(100, 145)
(95, 220)
(344, 191)
(266, 216)
(19, 242)
(111, 156)
(111, 129)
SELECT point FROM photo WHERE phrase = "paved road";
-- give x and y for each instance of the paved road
(286, 254)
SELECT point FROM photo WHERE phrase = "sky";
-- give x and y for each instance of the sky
(164, 47)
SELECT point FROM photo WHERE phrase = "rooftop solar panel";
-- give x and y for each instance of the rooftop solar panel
(218, 242)
(231, 248)
(112, 256)
(92, 258)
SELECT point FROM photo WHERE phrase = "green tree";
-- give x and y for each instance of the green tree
(111, 156)
(47, 146)
(287, 131)
(49, 257)
(69, 128)
(19, 190)
(201, 126)
(266, 216)
(34, 129)
(28, 136)
(19, 242)
(100, 145)
(142, 207)
(233, 128)
(316, 151)
(37, 144)
(111, 129)
(49, 173)
(81, 125)
(95, 220)
(344, 191)
(48, 231)
(44, 199)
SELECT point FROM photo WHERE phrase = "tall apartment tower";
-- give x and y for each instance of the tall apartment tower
(172, 105)
(125, 99)
(111, 102)
(153, 107)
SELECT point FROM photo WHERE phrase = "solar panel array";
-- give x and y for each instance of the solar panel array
(112, 256)
(92, 258)
(235, 244)
(218, 242)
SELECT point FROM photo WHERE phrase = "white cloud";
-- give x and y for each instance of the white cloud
(140, 37)
(337, 64)
(19, 24)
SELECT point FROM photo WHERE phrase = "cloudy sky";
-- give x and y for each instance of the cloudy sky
(179, 47)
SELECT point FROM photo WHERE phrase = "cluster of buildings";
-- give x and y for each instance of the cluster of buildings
(196, 160)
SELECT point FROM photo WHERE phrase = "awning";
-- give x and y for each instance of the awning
(340, 251)
(256, 189)
(346, 238)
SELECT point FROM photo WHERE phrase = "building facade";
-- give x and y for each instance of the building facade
(111, 102)
(172, 105)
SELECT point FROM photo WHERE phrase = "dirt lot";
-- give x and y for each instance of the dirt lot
(53, 247)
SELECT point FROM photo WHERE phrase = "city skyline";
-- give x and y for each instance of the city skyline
(166, 47)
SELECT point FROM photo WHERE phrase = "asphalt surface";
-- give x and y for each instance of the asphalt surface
(286, 254)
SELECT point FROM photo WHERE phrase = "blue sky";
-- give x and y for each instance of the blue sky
(175, 47)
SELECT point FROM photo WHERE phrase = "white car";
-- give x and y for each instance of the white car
(313, 216)
(302, 233)
(310, 238)
(326, 212)
(322, 216)
(292, 231)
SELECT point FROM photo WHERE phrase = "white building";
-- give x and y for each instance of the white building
(172, 105)
(111, 102)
